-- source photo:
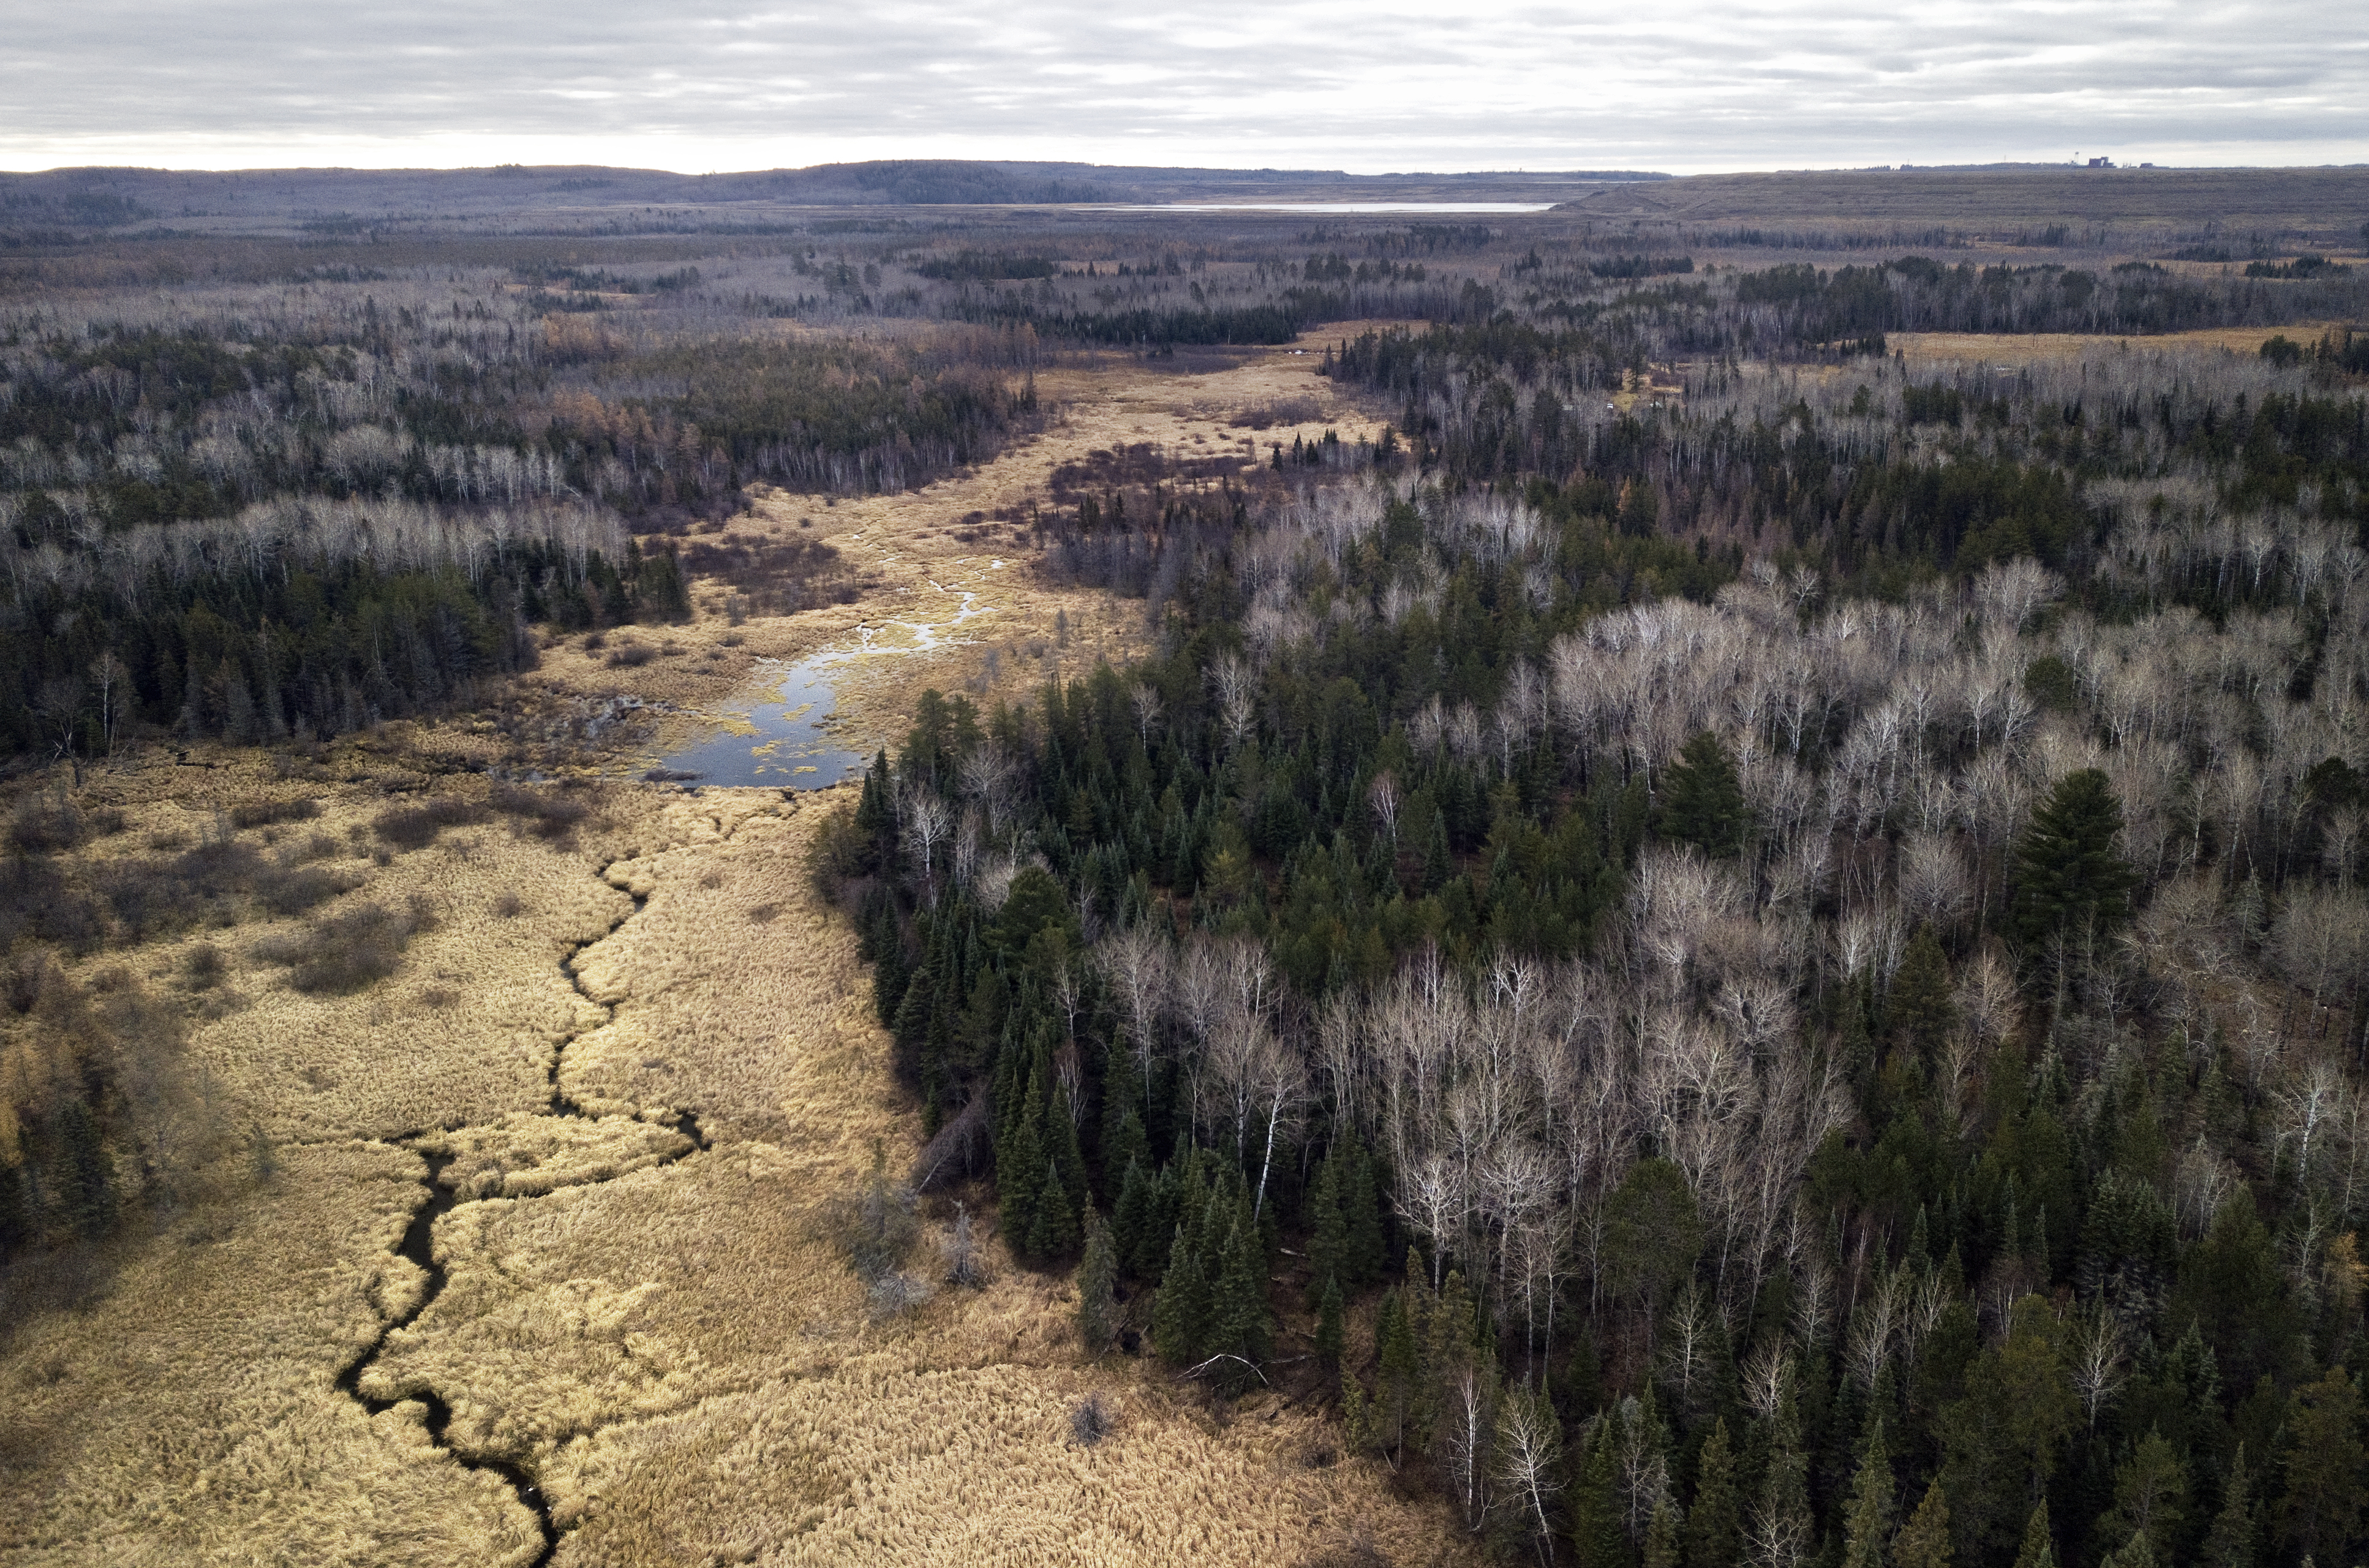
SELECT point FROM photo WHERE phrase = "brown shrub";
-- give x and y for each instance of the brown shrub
(348, 951)
(292, 890)
(415, 827)
(41, 826)
(265, 813)
(544, 814)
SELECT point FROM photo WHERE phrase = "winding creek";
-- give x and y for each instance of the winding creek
(417, 1246)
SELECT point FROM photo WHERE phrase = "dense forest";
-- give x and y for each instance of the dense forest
(1769, 945)
(1781, 980)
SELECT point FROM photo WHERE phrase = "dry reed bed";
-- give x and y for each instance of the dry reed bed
(681, 1358)
(188, 1417)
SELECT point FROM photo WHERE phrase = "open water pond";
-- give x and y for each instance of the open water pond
(774, 740)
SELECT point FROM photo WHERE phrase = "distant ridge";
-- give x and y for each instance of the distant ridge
(100, 197)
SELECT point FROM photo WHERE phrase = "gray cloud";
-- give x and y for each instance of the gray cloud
(1370, 86)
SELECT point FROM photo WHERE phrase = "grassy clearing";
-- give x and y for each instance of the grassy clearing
(1923, 348)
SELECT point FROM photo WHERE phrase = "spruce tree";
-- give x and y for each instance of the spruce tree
(1925, 1541)
(1715, 1524)
(1703, 800)
(1437, 866)
(1131, 1219)
(1597, 1535)
(2038, 1550)
(1180, 1315)
(1394, 1392)
(1053, 1228)
(1097, 1287)
(1020, 1176)
(1240, 1324)
(889, 973)
(1867, 1528)
(2234, 1537)
(1061, 1150)
(1663, 1535)
(1357, 1414)
(1365, 1245)
(1330, 1332)
(2071, 882)
(1328, 1229)
(1783, 1512)
(1919, 1009)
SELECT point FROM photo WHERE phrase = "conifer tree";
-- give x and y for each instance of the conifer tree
(1394, 1393)
(1663, 1535)
(1131, 1219)
(1597, 1535)
(1867, 1528)
(2038, 1550)
(1330, 1331)
(1919, 1008)
(1061, 1150)
(1240, 1324)
(1437, 866)
(1328, 1228)
(2150, 1496)
(1053, 1228)
(1357, 1414)
(1020, 1175)
(1181, 1314)
(2071, 882)
(2327, 1468)
(1097, 1287)
(2234, 1536)
(1715, 1524)
(1925, 1541)
(1782, 1529)
(1701, 799)
(1366, 1255)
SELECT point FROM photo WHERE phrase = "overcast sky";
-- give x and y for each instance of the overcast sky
(1370, 86)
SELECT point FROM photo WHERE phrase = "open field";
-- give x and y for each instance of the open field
(1921, 348)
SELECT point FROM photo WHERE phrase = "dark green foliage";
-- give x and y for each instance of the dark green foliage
(1919, 1008)
(1652, 1233)
(2327, 1487)
(2071, 882)
(1715, 1522)
(1701, 801)
(2038, 1550)
(1097, 1282)
(1180, 1316)
(1867, 1522)
(1330, 1308)
(2236, 1534)
(89, 1171)
(1598, 1539)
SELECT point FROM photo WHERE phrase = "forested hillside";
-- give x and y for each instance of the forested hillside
(1779, 979)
